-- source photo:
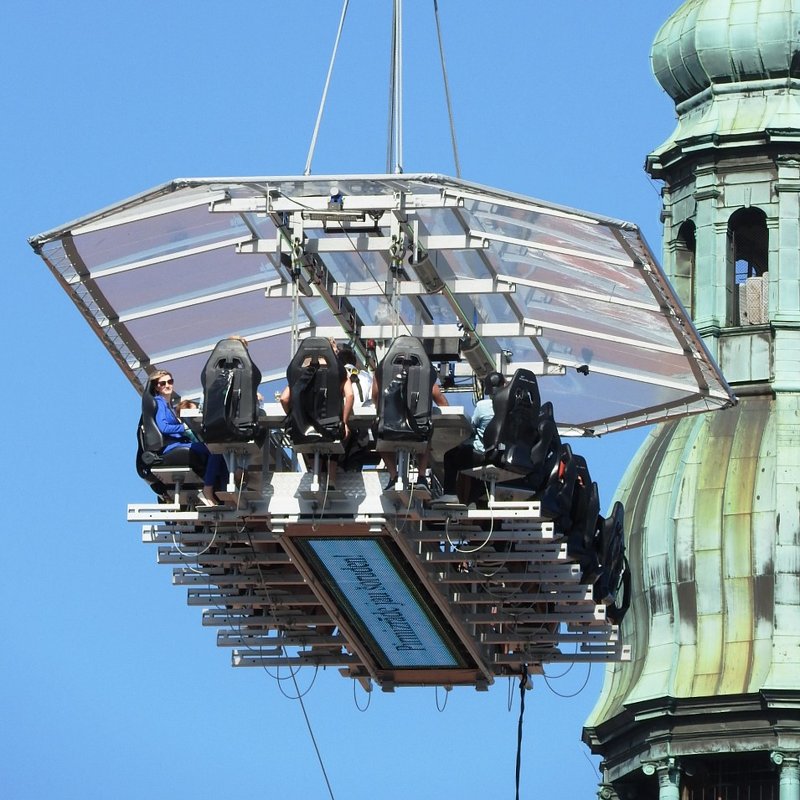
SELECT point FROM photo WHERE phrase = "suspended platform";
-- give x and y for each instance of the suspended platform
(387, 587)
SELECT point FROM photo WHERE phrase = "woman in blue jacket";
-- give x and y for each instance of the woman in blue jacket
(177, 434)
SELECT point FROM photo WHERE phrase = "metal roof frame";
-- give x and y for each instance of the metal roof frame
(579, 298)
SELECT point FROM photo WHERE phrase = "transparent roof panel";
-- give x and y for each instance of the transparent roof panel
(512, 281)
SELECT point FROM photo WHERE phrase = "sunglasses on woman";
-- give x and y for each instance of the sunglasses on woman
(161, 384)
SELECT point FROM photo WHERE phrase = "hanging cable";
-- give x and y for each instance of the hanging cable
(298, 694)
(447, 90)
(355, 699)
(394, 150)
(325, 90)
(523, 686)
(440, 707)
(293, 678)
(571, 694)
(313, 739)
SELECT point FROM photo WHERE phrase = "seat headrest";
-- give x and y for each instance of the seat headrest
(492, 382)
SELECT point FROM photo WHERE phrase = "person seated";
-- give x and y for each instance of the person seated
(359, 446)
(470, 453)
(182, 406)
(423, 457)
(346, 388)
(360, 379)
(176, 434)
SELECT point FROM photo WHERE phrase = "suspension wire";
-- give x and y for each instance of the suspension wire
(447, 90)
(313, 738)
(293, 673)
(325, 90)
(523, 684)
(394, 149)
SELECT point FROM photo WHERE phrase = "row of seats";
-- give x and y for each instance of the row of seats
(231, 407)
(523, 438)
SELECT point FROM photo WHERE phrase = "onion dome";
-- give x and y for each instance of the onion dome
(710, 42)
(711, 509)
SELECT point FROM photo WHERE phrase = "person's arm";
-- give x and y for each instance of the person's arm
(285, 399)
(439, 396)
(476, 418)
(349, 399)
(167, 422)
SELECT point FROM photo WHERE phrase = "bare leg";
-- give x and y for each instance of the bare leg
(390, 460)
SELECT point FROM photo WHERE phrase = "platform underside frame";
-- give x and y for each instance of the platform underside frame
(496, 585)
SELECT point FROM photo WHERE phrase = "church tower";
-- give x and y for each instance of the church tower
(709, 706)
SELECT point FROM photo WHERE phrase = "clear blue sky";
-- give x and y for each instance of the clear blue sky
(110, 686)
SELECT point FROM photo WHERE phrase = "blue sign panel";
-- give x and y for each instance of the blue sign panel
(383, 602)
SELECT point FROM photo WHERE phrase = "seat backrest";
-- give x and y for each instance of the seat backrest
(585, 501)
(145, 461)
(149, 443)
(315, 380)
(556, 497)
(613, 586)
(230, 382)
(514, 430)
(151, 440)
(545, 451)
(405, 379)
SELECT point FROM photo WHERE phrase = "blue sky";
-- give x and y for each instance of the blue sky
(110, 685)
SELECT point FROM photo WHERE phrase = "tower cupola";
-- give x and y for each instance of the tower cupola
(709, 705)
(707, 45)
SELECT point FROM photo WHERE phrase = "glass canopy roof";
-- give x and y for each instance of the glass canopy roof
(502, 279)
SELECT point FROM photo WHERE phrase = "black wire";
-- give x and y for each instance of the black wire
(573, 694)
(523, 682)
(299, 696)
(293, 678)
(355, 699)
(313, 738)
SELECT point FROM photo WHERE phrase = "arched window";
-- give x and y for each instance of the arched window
(685, 249)
(748, 258)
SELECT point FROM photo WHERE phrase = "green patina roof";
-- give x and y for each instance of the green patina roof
(711, 511)
(713, 42)
(733, 69)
